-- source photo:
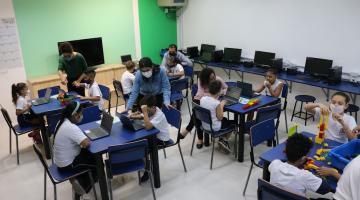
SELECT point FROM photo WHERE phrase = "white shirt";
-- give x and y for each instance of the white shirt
(284, 175)
(272, 87)
(334, 130)
(127, 81)
(158, 120)
(211, 104)
(67, 143)
(348, 187)
(21, 103)
(178, 68)
(94, 91)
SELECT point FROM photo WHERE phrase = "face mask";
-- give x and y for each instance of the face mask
(147, 74)
(336, 108)
(172, 53)
(68, 58)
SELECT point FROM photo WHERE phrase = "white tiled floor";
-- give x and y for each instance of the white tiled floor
(225, 181)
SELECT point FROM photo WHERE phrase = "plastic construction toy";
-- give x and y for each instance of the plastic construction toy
(251, 103)
(310, 164)
(64, 99)
(323, 124)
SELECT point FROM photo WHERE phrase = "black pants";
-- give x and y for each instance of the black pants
(159, 101)
(70, 87)
(85, 160)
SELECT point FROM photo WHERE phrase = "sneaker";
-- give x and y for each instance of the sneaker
(77, 187)
(145, 177)
(224, 145)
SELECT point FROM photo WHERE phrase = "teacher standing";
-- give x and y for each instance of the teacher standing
(72, 68)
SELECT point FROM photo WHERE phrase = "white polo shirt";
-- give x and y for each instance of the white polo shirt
(94, 91)
(176, 69)
(288, 176)
(348, 186)
(211, 104)
(127, 82)
(158, 120)
(21, 103)
(67, 143)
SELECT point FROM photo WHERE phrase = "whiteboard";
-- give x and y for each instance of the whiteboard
(10, 54)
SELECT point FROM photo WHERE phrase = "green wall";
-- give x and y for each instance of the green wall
(157, 30)
(43, 23)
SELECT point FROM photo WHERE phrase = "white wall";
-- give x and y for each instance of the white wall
(12, 75)
(293, 29)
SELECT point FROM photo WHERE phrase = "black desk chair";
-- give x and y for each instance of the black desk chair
(119, 93)
(303, 99)
(268, 191)
(353, 109)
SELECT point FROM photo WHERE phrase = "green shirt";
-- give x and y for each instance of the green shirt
(73, 68)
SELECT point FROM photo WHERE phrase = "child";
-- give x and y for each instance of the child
(127, 78)
(174, 68)
(70, 148)
(24, 115)
(217, 111)
(272, 85)
(291, 175)
(95, 95)
(340, 125)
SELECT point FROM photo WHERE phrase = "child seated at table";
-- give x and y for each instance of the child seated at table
(128, 78)
(25, 117)
(291, 174)
(174, 68)
(216, 109)
(340, 125)
(95, 95)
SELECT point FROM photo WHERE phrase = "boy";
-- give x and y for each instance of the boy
(340, 125)
(95, 95)
(216, 108)
(291, 175)
(272, 85)
(127, 78)
(174, 68)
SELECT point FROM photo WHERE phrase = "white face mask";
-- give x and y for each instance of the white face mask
(147, 74)
(336, 108)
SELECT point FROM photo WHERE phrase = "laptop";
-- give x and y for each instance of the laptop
(247, 90)
(133, 125)
(104, 129)
(43, 100)
(232, 95)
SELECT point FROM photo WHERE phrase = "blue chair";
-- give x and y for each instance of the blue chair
(57, 176)
(128, 158)
(204, 115)
(105, 91)
(17, 130)
(91, 114)
(119, 93)
(52, 121)
(259, 133)
(177, 88)
(268, 191)
(303, 99)
(189, 72)
(353, 109)
(173, 117)
(284, 95)
(194, 89)
(54, 90)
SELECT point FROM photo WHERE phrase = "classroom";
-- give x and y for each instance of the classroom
(179, 99)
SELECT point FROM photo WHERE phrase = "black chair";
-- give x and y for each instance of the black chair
(303, 99)
(268, 191)
(57, 176)
(353, 109)
(54, 90)
(259, 133)
(119, 93)
(173, 117)
(204, 115)
(105, 91)
(284, 95)
(177, 87)
(17, 130)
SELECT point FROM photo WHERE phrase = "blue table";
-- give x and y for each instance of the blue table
(278, 153)
(120, 135)
(239, 115)
(240, 69)
(54, 106)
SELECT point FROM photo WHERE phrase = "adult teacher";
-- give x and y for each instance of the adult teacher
(150, 80)
(173, 52)
(72, 68)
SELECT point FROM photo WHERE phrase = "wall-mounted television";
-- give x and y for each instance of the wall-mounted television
(91, 49)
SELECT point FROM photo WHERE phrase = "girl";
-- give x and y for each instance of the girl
(174, 68)
(24, 115)
(205, 77)
(272, 85)
(70, 147)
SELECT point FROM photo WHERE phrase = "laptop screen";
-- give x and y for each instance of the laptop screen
(107, 122)
(233, 92)
(48, 93)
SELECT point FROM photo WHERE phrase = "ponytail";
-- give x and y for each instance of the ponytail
(15, 91)
(67, 113)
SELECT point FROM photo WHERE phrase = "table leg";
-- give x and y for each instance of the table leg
(155, 161)
(45, 139)
(102, 177)
(241, 137)
(266, 173)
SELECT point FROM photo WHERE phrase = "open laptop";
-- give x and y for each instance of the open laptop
(133, 125)
(104, 129)
(246, 90)
(43, 100)
(232, 95)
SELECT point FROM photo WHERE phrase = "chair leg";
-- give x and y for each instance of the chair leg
(10, 139)
(182, 158)
(139, 177)
(152, 184)
(277, 136)
(301, 112)
(212, 153)
(93, 184)
(110, 188)
(55, 193)
(117, 104)
(193, 142)
(247, 180)
(44, 184)
(164, 152)
(17, 149)
(292, 116)
(187, 101)
(286, 122)
(235, 145)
